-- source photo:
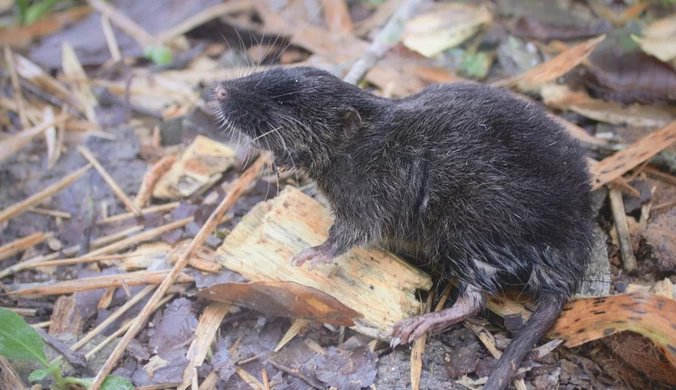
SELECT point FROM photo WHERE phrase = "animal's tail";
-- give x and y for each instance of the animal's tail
(540, 322)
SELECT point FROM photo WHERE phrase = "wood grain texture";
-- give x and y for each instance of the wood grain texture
(372, 282)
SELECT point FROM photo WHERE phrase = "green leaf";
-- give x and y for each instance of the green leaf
(40, 374)
(159, 55)
(18, 340)
(38, 10)
(22, 7)
(111, 383)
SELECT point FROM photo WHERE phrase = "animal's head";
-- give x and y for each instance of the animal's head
(301, 114)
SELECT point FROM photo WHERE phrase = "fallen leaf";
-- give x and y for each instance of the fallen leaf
(629, 77)
(561, 97)
(444, 26)
(554, 68)
(283, 299)
(532, 28)
(658, 39)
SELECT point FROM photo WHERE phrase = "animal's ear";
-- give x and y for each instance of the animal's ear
(351, 119)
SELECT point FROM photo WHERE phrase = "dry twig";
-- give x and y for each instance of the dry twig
(247, 177)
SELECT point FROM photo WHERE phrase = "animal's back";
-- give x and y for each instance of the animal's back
(504, 194)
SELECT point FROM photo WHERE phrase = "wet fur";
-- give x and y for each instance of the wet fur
(466, 175)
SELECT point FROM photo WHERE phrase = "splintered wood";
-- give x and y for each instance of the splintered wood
(200, 165)
(623, 161)
(373, 283)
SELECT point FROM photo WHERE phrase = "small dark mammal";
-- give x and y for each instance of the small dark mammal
(465, 175)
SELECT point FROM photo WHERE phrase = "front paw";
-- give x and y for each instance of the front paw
(313, 256)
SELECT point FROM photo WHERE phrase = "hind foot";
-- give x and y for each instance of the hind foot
(313, 256)
(407, 330)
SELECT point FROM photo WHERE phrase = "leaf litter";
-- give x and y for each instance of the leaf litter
(164, 167)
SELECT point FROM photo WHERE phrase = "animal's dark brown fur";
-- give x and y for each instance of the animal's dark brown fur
(464, 174)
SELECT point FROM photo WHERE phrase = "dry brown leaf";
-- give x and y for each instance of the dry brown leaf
(561, 97)
(203, 160)
(629, 77)
(554, 68)
(658, 39)
(621, 162)
(283, 299)
(444, 26)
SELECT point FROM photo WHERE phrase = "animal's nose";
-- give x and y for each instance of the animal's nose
(221, 93)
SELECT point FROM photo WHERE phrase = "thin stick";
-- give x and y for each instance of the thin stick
(266, 381)
(118, 313)
(247, 177)
(18, 96)
(22, 244)
(203, 17)
(13, 144)
(139, 238)
(111, 41)
(42, 324)
(147, 210)
(51, 213)
(118, 332)
(295, 373)
(124, 23)
(70, 251)
(22, 206)
(617, 206)
(389, 36)
(418, 350)
(129, 204)
(84, 259)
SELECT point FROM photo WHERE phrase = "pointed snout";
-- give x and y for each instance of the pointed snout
(221, 93)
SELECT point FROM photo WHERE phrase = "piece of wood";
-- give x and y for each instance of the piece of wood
(51, 213)
(205, 333)
(66, 317)
(18, 95)
(148, 210)
(389, 36)
(151, 177)
(85, 284)
(554, 68)
(339, 50)
(228, 201)
(418, 350)
(111, 41)
(81, 91)
(128, 203)
(117, 314)
(626, 248)
(374, 283)
(621, 162)
(202, 17)
(36, 199)
(9, 378)
(125, 24)
(23, 244)
(296, 327)
(195, 169)
(152, 233)
(14, 143)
